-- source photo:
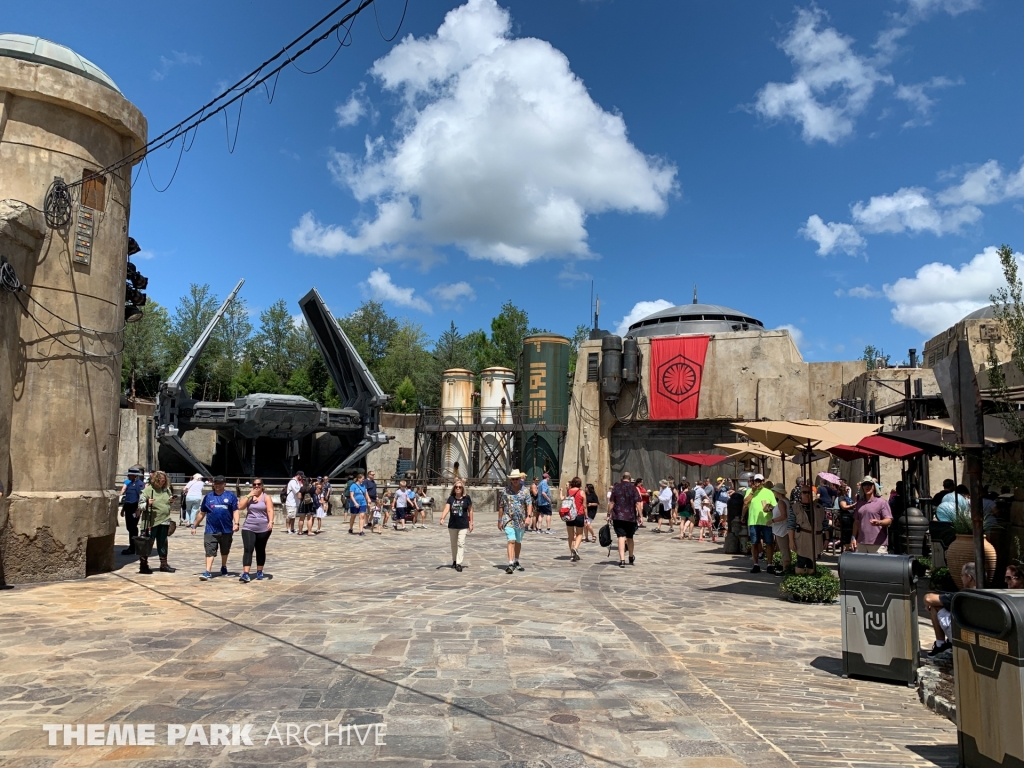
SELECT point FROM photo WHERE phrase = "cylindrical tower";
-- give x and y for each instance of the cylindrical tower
(546, 397)
(456, 409)
(60, 339)
(496, 390)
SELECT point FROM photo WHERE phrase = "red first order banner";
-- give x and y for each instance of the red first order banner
(677, 368)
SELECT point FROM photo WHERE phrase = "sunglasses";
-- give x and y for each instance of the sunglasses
(257, 485)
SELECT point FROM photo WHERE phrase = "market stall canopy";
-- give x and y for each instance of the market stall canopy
(996, 431)
(793, 437)
(930, 441)
(743, 450)
(891, 449)
(700, 459)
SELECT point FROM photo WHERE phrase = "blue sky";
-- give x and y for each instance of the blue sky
(843, 169)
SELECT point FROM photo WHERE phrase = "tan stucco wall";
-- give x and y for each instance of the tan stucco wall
(979, 335)
(62, 405)
(747, 375)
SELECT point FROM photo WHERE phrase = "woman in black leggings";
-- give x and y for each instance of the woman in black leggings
(259, 523)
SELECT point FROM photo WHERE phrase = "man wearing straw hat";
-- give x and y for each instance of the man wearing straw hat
(515, 511)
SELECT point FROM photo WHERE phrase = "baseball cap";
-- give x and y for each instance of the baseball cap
(759, 476)
(219, 479)
(301, 474)
(719, 479)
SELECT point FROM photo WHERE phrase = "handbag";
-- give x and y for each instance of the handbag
(143, 543)
(172, 526)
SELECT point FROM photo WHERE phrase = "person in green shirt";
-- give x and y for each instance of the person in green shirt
(758, 505)
(157, 498)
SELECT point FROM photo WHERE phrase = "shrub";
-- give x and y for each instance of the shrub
(820, 587)
(942, 581)
(926, 563)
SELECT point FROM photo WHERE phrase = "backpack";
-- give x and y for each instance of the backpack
(570, 508)
(284, 495)
(604, 536)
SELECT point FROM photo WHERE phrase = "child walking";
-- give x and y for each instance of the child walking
(705, 521)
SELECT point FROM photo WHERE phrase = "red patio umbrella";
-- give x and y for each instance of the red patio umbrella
(700, 459)
(851, 452)
(886, 446)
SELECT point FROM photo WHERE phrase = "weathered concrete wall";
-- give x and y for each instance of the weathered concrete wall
(136, 442)
(202, 442)
(385, 458)
(63, 385)
(747, 375)
(979, 334)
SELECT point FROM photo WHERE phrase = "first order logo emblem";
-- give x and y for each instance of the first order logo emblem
(678, 378)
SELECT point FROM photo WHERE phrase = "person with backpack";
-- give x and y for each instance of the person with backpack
(593, 502)
(573, 513)
(306, 509)
(624, 513)
(686, 497)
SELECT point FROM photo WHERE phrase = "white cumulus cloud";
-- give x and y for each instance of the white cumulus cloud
(832, 236)
(500, 151)
(639, 311)
(831, 84)
(796, 333)
(454, 291)
(351, 112)
(380, 287)
(918, 209)
(939, 295)
(916, 95)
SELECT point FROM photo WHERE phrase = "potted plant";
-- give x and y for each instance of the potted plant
(962, 551)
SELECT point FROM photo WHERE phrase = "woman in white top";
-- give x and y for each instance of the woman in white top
(193, 498)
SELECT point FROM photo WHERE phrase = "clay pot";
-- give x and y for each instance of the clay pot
(962, 551)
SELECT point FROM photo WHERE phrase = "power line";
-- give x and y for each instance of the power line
(220, 103)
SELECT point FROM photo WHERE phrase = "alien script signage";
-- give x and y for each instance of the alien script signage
(677, 368)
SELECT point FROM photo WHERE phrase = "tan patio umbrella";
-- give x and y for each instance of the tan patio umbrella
(741, 451)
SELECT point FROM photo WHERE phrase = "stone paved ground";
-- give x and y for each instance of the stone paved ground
(682, 660)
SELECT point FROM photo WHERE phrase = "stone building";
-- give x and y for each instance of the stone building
(746, 372)
(60, 337)
(981, 328)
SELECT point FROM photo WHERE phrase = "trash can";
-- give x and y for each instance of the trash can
(988, 665)
(878, 600)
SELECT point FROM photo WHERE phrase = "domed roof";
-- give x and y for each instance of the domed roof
(694, 318)
(40, 51)
(985, 313)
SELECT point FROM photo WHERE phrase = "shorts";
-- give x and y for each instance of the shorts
(514, 534)
(624, 529)
(214, 541)
(544, 511)
(591, 513)
(291, 510)
(400, 513)
(946, 600)
(304, 511)
(353, 511)
(686, 515)
(761, 534)
(665, 514)
(577, 523)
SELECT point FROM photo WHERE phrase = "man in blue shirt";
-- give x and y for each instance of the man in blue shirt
(544, 505)
(130, 494)
(220, 510)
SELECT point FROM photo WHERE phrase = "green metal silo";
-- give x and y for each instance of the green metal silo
(545, 388)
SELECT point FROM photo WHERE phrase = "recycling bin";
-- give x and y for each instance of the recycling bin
(878, 600)
(988, 654)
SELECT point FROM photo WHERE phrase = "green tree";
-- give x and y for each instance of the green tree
(371, 330)
(244, 381)
(144, 359)
(507, 331)
(407, 357)
(1003, 468)
(272, 345)
(191, 316)
(405, 397)
(581, 334)
(268, 382)
(452, 350)
(872, 355)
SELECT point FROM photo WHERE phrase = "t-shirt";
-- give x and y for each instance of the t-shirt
(950, 505)
(543, 489)
(194, 489)
(292, 499)
(132, 490)
(825, 496)
(161, 507)
(357, 495)
(513, 506)
(875, 509)
(624, 500)
(458, 514)
(219, 509)
(402, 498)
(699, 494)
(371, 490)
(762, 503)
(665, 497)
(722, 495)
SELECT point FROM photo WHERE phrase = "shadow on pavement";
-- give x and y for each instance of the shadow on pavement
(748, 587)
(829, 664)
(942, 755)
